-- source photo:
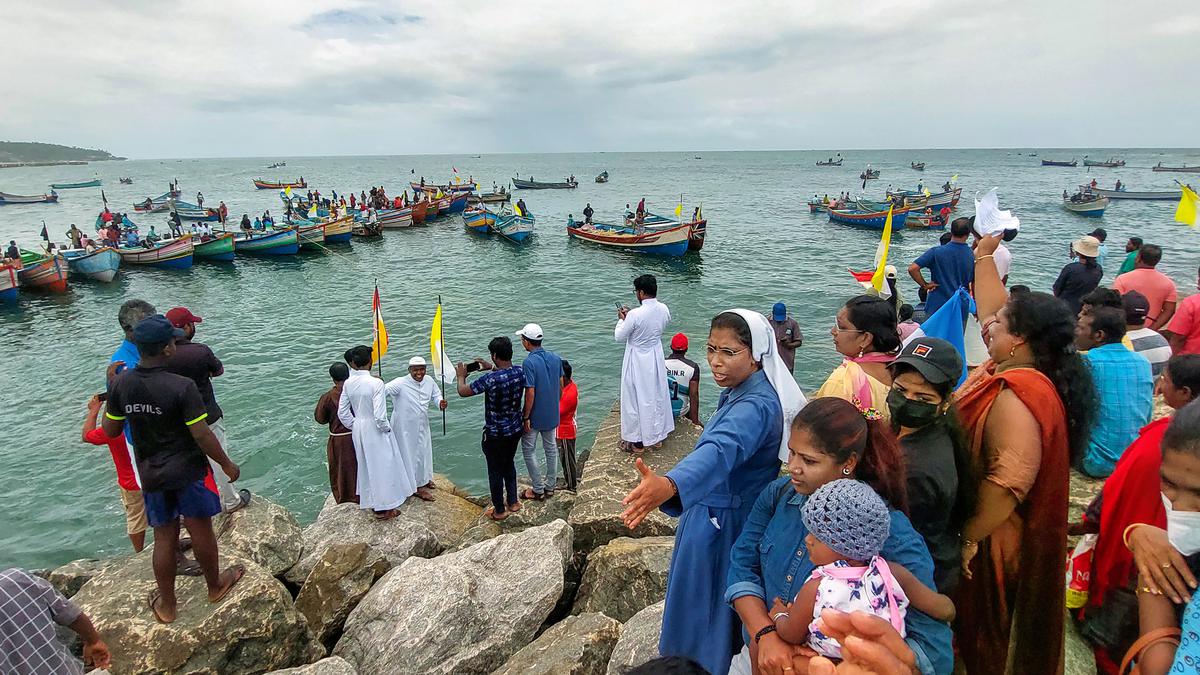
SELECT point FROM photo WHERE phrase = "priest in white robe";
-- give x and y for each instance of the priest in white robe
(646, 417)
(411, 396)
(384, 480)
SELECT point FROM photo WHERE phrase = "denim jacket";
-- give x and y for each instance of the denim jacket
(769, 560)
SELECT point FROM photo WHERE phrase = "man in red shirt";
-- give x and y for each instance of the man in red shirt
(127, 478)
(1183, 332)
(1156, 286)
(567, 404)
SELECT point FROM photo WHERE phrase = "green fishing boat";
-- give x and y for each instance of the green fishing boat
(219, 247)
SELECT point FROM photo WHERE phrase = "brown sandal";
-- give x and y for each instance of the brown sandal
(239, 571)
(491, 513)
(152, 600)
(528, 494)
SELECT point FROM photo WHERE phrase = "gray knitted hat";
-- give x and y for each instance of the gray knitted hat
(849, 517)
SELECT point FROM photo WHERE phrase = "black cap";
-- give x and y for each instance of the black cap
(1136, 308)
(934, 358)
(154, 330)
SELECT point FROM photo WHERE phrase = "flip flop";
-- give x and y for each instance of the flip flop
(513, 508)
(185, 544)
(151, 600)
(239, 572)
(528, 494)
(425, 497)
(188, 568)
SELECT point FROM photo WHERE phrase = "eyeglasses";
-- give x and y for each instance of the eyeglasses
(838, 329)
(723, 351)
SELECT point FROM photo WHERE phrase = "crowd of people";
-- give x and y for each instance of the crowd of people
(921, 520)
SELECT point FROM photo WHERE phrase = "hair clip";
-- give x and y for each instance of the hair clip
(871, 414)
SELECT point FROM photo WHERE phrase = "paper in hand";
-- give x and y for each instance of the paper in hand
(989, 219)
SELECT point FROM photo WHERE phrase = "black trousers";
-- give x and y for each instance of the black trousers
(566, 455)
(500, 451)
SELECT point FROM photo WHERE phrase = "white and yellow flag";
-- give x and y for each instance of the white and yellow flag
(443, 367)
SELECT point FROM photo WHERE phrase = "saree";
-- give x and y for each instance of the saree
(1012, 609)
(851, 383)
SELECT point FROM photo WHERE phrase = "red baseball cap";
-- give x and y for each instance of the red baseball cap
(679, 343)
(182, 316)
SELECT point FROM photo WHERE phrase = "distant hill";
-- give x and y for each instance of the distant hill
(16, 151)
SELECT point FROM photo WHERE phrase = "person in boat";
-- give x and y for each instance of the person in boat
(245, 225)
(200, 199)
(12, 253)
(824, 201)
(152, 236)
(1119, 187)
(524, 209)
(176, 224)
(422, 184)
(267, 219)
(223, 213)
(641, 207)
(572, 179)
(628, 214)
(946, 186)
(696, 215)
(88, 244)
(131, 238)
(587, 214)
(1092, 184)
(76, 236)
(258, 224)
(1066, 195)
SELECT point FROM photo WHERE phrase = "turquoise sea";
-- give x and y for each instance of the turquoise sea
(278, 324)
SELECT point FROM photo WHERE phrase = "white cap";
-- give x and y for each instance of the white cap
(416, 361)
(531, 331)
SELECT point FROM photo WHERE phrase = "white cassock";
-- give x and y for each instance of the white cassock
(645, 396)
(384, 480)
(410, 423)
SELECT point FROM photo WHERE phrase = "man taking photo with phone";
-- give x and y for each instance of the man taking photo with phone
(503, 386)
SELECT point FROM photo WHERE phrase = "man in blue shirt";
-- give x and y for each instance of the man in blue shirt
(543, 388)
(1124, 387)
(951, 266)
(503, 388)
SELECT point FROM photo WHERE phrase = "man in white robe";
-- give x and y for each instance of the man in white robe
(384, 480)
(411, 396)
(646, 417)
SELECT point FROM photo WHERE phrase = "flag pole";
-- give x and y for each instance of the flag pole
(442, 362)
(375, 328)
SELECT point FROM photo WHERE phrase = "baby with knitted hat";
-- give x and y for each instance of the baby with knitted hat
(847, 525)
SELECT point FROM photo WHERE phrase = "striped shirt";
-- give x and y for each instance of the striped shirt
(1154, 347)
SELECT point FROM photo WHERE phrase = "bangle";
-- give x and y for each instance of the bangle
(765, 629)
(1125, 534)
(984, 257)
(776, 617)
(969, 542)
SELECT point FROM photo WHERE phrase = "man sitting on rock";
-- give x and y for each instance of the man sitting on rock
(29, 608)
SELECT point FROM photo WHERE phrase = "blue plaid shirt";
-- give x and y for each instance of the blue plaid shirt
(503, 403)
(1125, 388)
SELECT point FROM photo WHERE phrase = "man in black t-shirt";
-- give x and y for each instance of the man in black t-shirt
(166, 417)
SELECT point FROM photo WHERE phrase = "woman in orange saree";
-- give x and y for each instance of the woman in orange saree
(1027, 413)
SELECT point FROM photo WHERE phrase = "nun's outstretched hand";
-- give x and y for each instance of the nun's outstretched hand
(652, 492)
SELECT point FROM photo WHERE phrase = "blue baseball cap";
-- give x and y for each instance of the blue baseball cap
(779, 311)
(155, 330)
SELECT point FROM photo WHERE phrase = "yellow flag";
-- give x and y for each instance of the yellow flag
(312, 211)
(439, 194)
(954, 178)
(1186, 211)
(679, 209)
(288, 190)
(442, 366)
(927, 193)
(379, 345)
(517, 210)
(877, 280)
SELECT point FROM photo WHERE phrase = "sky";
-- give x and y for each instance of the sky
(149, 79)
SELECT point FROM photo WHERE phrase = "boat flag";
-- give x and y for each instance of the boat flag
(1186, 211)
(312, 210)
(45, 234)
(517, 210)
(287, 190)
(949, 323)
(439, 194)
(927, 193)
(954, 178)
(879, 279)
(455, 169)
(379, 344)
(679, 207)
(443, 367)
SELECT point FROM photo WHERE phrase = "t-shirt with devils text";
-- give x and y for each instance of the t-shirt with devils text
(159, 408)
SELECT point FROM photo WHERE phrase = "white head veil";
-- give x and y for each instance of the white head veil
(764, 349)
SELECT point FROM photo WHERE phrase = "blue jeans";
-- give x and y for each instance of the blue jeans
(550, 449)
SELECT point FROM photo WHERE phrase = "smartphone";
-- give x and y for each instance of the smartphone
(102, 396)
(473, 366)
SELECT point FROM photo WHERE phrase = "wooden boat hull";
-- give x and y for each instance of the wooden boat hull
(1092, 209)
(458, 202)
(837, 163)
(478, 220)
(874, 175)
(493, 198)
(311, 237)
(284, 242)
(364, 231)
(516, 229)
(1176, 169)
(99, 265)
(934, 201)
(917, 167)
(339, 231)
(264, 185)
(176, 254)
(8, 283)
(1166, 195)
(219, 248)
(671, 242)
(872, 219)
(395, 218)
(536, 185)
(448, 187)
(72, 186)
(917, 222)
(697, 229)
(1104, 165)
(419, 211)
(1051, 162)
(6, 198)
(49, 274)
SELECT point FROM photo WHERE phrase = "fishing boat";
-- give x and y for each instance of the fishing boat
(498, 197)
(159, 203)
(367, 230)
(1051, 162)
(100, 265)
(8, 283)
(339, 231)
(536, 185)
(920, 221)
(72, 186)
(869, 174)
(458, 202)
(284, 242)
(603, 177)
(277, 165)
(666, 242)
(872, 219)
(395, 218)
(1163, 195)
(919, 166)
(935, 200)
(1109, 164)
(265, 185)
(419, 211)
(830, 162)
(1086, 204)
(478, 220)
(1176, 169)
(6, 198)
(125, 181)
(697, 229)
(514, 228)
(172, 254)
(45, 272)
(469, 186)
(188, 211)
(311, 235)
(218, 247)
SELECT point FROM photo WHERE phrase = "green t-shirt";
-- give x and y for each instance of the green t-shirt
(1130, 262)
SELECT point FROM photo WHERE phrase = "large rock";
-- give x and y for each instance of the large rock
(262, 531)
(395, 539)
(255, 628)
(448, 516)
(333, 665)
(625, 576)
(532, 514)
(339, 581)
(69, 578)
(639, 640)
(610, 475)
(463, 612)
(579, 645)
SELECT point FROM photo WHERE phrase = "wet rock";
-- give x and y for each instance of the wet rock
(625, 576)
(463, 612)
(262, 531)
(639, 640)
(339, 580)
(579, 645)
(395, 539)
(333, 665)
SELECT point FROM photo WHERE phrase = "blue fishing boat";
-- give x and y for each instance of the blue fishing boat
(283, 242)
(8, 283)
(478, 219)
(101, 264)
(72, 186)
(514, 228)
(174, 254)
(873, 219)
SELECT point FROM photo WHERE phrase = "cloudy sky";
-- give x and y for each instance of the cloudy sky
(146, 78)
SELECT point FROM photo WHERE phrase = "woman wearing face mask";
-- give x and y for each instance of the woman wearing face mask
(941, 488)
(830, 439)
(866, 336)
(1158, 616)
(1027, 413)
(712, 489)
(1132, 497)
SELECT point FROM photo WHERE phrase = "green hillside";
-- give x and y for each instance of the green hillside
(16, 151)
